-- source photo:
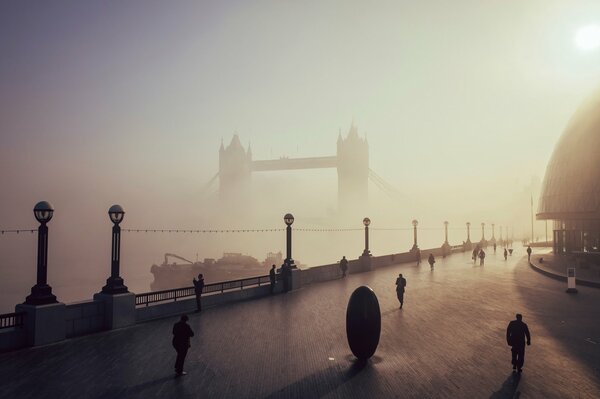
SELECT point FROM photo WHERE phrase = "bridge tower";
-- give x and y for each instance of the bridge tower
(353, 174)
(235, 168)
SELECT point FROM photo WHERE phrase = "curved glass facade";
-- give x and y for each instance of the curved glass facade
(571, 189)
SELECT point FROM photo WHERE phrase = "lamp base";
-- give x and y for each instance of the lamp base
(114, 285)
(41, 294)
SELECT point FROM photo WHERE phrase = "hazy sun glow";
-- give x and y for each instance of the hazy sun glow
(588, 37)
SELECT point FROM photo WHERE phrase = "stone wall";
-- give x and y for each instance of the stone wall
(84, 317)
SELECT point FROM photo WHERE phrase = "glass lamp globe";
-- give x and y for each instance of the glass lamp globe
(116, 214)
(289, 219)
(43, 211)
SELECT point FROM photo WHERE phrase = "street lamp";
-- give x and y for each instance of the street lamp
(446, 232)
(468, 232)
(415, 223)
(41, 292)
(114, 284)
(366, 222)
(482, 232)
(289, 220)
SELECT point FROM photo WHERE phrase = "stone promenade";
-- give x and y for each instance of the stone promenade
(447, 342)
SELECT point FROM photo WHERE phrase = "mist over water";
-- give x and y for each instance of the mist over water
(128, 103)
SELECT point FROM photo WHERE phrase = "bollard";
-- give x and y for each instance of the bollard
(571, 282)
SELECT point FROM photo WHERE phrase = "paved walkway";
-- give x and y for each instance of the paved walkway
(447, 342)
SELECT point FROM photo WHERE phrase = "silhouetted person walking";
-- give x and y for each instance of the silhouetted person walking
(344, 266)
(418, 256)
(272, 278)
(400, 285)
(516, 332)
(475, 252)
(494, 248)
(199, 287)
(181, 342)
(529, 253)
(481, 257)
(505, 254)
(431, 260)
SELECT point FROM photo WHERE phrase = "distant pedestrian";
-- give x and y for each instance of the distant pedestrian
(475, 253)
(272, 278)
(494, 248)
(529, 253)
(505, 254)
(344, 265)
(418, 256)
(431, 261)
(199, 287)
(516, 332)
(400, 285)
(181, 342)
(481, 257)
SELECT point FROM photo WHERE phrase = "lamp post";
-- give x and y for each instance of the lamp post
(289, 220)
(468, 232)
(114, 284)
(366, 222)
(41, 292)
(415, 223)
(446, 233)
(482, 232)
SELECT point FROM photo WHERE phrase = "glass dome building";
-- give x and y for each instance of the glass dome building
(571, 189)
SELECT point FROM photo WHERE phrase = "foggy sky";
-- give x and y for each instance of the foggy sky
(127, 102)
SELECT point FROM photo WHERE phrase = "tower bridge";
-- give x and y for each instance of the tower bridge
(351, 161)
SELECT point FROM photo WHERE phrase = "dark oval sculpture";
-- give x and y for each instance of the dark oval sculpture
(363, 322)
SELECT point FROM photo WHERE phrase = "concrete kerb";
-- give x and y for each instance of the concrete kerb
(562, 277)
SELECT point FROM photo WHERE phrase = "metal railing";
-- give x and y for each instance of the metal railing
(147, 298)
(9, 320)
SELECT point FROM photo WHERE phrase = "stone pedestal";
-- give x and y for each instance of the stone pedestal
(119, 309)
(43, 324)
(446, 249)
(364, 263)
(296, 279)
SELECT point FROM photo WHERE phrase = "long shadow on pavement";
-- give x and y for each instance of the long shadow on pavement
(321, 383)
(508, 388)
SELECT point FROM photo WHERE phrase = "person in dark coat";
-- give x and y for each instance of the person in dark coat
(182, 333)
(529, 253)
(272, 278)
(199, 287)
(431, 260)
(344, 266)
(481, 257)
(494, 248)
(400, 285)
(505, 254)
(516, 332)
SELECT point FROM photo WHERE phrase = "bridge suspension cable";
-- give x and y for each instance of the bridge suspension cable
(384, 186)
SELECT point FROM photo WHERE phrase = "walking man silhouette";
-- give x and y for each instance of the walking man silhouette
(529, 253)
(272, 278)
(431, 261)
(516, 332)
(505, 254)
(199, 287)
(344, 265)
(400, 284)
(481, 257)
(182, 333)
